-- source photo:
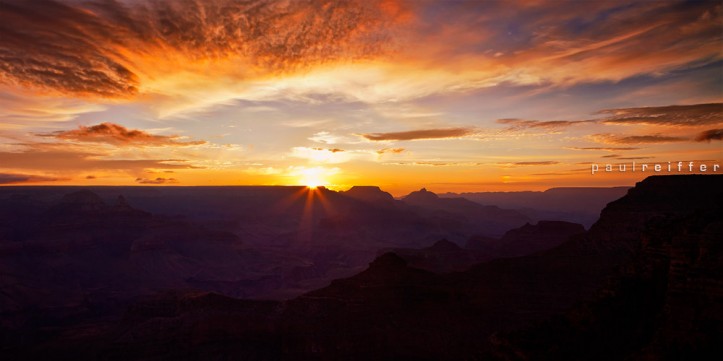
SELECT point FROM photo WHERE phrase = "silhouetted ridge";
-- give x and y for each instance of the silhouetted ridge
(421, 196)
(493, 219)
(371, 194)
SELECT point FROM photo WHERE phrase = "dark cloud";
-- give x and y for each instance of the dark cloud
(635, 139)
(88, 48)
(676, 115)
(708, 135)
(115, 134)
(158, 180)
(9, 178)
(420, 134)
(544, 124)
(90, 177)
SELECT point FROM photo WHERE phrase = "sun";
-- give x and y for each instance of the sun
(312, 178)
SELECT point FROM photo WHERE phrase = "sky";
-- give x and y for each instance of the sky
(454, 96)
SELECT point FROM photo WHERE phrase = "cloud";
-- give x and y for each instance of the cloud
(433, 164)
(635, 139)
(673, 115)
(333, 150)
(545, 124)
(635, 158)
(107, 48)
(607, 149)
(618, 156)
(322, 155)
(21, 107)
(158, 180)
(115, 134)
(547, 162)
(10, 178)
(57, 157)
(708, 135)
(420, 134)
(527, 164)
(391, 150)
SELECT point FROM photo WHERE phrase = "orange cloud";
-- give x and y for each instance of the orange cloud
(420, 134)
(115, 134)
(607, 149)
(54, 157)
(635, 139)
(536, 163)
(391, 150)
(102, 48)
(545, 124)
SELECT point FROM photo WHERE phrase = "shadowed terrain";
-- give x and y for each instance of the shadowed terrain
(642, 283)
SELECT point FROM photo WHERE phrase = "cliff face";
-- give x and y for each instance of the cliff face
(664, 303)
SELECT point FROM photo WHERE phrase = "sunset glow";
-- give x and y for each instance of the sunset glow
(453, 96)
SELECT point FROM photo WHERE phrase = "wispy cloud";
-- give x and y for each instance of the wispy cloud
(674, 115)
(635, 139)
(531, 163)
(322, 155)
(618, 156)
(11, 178)
(158, 180)
(391, 150)
(544, 124)
(607, 149)
(444, 133)
(55, 157)
(115, 134)
(102, 48)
